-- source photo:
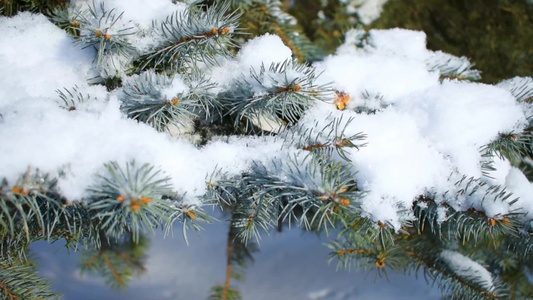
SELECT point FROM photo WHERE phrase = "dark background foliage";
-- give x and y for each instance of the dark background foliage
(497, 35)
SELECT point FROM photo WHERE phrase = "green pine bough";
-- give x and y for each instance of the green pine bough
(165, 86)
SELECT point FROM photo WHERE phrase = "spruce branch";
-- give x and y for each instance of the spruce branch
(72, 99)
(311, 190)
(161, 101)
(362, 252)
(190, 36)
(470, 226)
(67, 17)
(252, 214)
(106, 32)
(280, 93)
(10, 8)
(459, 284)
(129, 199)
(221, 189)
(21, 281)
(453, 67)
(326, 140)
(512, 146)
(372, 102)
(24, 206)
(189, 215)
(137, 199)
(520, 87)
(33, 210)
(201, 92)
(152, 98)
(315, 187)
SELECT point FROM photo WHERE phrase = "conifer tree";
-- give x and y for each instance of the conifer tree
(164, 76)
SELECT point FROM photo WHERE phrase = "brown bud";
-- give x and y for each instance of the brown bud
(344, 202)
(339, 143)
(380, 263)
(20, 190)
(225, 30)
(191, 214)
(135, 204)
(135, 207)
(342, 100)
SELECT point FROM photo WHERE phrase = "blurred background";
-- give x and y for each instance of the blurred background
(497, 35)
(289, 264)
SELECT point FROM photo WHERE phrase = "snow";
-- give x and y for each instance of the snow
(442, 214)
(398, 42)
(464, 266)
(367, 10)
(425, 133)
(518, 184)
(50, 61)
(176, 87)
(422, 136)
(262, 51)
(140, 12)
(458, 118)
(82, 142)
(381, 68)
